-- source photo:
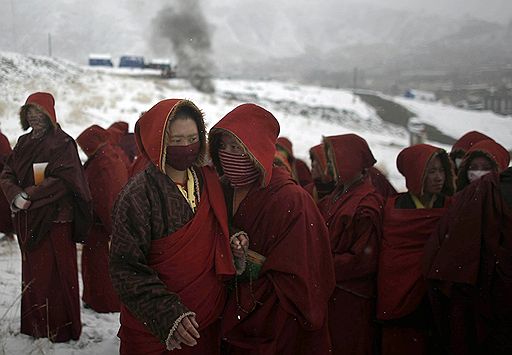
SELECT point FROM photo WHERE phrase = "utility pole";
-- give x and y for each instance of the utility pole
(49, 44)
(354, 85)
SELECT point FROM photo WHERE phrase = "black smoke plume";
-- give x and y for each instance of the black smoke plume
(184, 25)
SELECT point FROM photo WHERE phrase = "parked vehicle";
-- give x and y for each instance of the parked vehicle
(100, 60)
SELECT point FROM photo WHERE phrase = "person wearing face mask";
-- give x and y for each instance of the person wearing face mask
(353, 213)
(279, 305)
(106, 174)
(481, 159)
(44, 182)
(409, 219)
(323, 183)
(170, 248)
(468, 259)
(463, 144)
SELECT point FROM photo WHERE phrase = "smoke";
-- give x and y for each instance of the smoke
(184, 25)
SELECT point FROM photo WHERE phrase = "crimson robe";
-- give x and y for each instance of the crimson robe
(468, 262)
(381, 183)
(5, 210)
(295, 281)
(107, 175)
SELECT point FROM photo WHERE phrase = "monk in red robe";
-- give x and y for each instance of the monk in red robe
(300, 170)
(409, 219)
(279, 305)
(115, 136)
(353, 215)
(127, 140)
(323, 183)
(106, 174)
(5, 211)
(469, 265)
(45, 185)
(481, 159)
(463, 144)
(170, 249)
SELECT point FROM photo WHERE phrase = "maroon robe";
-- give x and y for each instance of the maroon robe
(283, 311)
(468, 262)
(166, 261)
(353, 216)
(5, 210)
(402, 291)
(106, 175)
(300, 170)
(115, 136)
(59, 214)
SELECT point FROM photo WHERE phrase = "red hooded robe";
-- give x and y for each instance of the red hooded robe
(286, 307)
(353, 216)
(468, 262)
(59, 214)
(106, 175)
(300, 170)
(401, 286)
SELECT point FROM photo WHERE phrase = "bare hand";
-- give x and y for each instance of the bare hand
(186, 332)
(240, 245)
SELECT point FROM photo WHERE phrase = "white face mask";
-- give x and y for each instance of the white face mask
(457, 162)
(476, 174)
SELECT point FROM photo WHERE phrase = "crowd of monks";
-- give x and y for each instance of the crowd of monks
(334, 260)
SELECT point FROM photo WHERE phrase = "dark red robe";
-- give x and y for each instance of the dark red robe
(284, 310)
(300, 170)
(60, 213)
(402, 303)
(106, 175)
(115, 136)
(468, 262)
(353, 216)
(5, 210)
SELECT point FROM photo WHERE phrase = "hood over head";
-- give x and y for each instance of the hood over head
(412, 164)
(92, 138)
(44, 102)
(287, 146)
(351, 155)
(121, 126)
(151, 129)
(468, 140)
(256, 129)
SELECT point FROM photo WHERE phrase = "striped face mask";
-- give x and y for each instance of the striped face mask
(238, 168)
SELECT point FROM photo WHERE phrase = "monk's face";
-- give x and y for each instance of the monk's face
(183, 132)
(435, 177)
(230, 144)
(37, 120)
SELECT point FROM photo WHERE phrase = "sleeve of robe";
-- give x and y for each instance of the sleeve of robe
(138, 285)
(9, 183)
(50, 190)
(361, 259)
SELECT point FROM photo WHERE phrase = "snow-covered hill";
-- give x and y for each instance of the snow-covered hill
(85, 96)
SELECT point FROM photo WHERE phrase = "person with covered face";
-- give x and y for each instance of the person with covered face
(353, 215)
(170, 248)
(279, 305)
(409, 220)
(106, 175)
(481, 159)
(323, 183)
(45, 185)
(6, 226)
(468, 262)
(463, 144)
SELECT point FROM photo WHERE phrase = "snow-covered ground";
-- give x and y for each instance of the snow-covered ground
(85, 96)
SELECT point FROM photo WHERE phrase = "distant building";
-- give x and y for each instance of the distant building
(131, 61)
(100, 60)
(499, 102)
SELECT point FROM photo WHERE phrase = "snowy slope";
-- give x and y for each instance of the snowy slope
(84, 97)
